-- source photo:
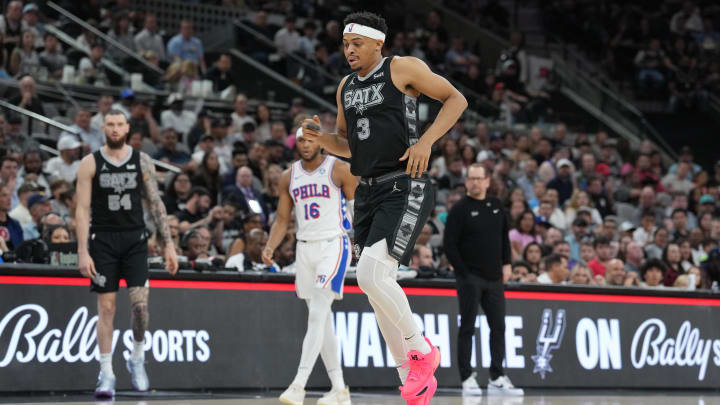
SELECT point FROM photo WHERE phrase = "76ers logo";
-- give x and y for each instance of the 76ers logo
(321, 279)
(4, 233)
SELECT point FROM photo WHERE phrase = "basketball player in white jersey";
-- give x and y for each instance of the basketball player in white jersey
(321, 188)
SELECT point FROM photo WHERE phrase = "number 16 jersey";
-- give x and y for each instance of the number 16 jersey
(116, 200)
(381, 121)
(320, 206)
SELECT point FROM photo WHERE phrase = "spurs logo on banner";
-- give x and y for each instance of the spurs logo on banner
(549, 338)
(30, 341)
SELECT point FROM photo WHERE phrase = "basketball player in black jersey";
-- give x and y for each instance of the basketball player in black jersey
(378, 130)
(111, 184)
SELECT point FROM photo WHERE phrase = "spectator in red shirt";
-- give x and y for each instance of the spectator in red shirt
(599, 264)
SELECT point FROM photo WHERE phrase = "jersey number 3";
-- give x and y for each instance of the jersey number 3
(363, 125)
(115, 202)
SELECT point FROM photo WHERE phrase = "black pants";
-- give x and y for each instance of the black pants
(473, 290)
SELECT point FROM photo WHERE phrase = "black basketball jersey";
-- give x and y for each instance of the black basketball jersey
(381, 122)
(116, 200)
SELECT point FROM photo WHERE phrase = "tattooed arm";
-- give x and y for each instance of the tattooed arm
(157, 210)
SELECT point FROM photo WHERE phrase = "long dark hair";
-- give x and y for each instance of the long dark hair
(525, 255)
(519, 219)
(170, 193)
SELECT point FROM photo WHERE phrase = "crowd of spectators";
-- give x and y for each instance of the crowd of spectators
(667, 49)
(585, 208)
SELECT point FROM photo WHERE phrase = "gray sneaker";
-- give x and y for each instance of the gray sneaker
(138, 376)
(105, 386)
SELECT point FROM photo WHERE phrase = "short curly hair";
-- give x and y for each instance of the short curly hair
(367, 18)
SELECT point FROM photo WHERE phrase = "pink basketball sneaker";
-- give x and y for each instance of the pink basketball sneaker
(422, 368)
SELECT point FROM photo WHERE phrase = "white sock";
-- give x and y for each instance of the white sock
(374, 270)
(106, 364)
(318, 309)
(137, 350)
(329, 355)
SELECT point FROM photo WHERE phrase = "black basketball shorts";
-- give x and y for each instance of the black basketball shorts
(395, 210)
(119, 255)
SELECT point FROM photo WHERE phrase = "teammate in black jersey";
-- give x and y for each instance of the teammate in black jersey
(378, 130)
(113, 244)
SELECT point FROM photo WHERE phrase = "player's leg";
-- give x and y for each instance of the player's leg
(492, 302)
(393, 338)
(468, 299)
(105, 284)
(135, 271)
(318, 314)
(403, 207)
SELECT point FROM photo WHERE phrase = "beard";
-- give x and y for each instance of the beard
(312, 157)
(115, 144)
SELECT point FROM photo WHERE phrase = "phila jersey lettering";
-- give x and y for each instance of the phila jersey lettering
(381, 121)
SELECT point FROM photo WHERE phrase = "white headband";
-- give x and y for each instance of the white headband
(365, 31)
(298, 134)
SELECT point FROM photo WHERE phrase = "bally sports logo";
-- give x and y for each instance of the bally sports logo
(25, 331)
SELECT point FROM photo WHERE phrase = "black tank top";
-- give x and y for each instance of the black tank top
(116, 200)
(381, 122)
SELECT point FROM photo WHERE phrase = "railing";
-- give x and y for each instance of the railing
(205, 17)
(283, 80)
(104, 37)
(267, 41)
(68, 40)
(63, 127)
(608, 106)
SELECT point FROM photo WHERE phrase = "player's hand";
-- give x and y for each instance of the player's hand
(267, 255)
(171, 260)
(312, 132)
(418, 157)
(86, 265)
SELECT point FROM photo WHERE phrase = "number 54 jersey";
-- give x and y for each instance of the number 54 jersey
(320, 206)
(117, 188)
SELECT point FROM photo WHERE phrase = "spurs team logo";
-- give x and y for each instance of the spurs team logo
(118, 181)
(363, 98)
(549, 338)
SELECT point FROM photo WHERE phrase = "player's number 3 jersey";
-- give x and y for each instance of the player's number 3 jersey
(320, 206)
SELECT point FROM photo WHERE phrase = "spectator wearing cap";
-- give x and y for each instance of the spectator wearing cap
(169, 152)
(31, 21)
(149, 39)
(89, 135)
(141, 120)
(221, 73)
(240, 116)
(127, 97)
(91, 68)
(556, 270)
(248, 197)
(39, 206)
(11, 232)
(686, 156)
(66, 165)
(184, 46)
(176, 117)
(564, 181)
(52, 57)
(706, 204)
(21, 213)
(576, 236)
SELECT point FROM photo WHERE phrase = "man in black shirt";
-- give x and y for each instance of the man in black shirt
(477, 246)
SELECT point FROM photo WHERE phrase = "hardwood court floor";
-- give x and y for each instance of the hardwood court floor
(443, 397)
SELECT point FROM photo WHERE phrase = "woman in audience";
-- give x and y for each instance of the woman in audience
(177, 193)
(532, 255)
(686, 257)
(262, 114)
(208, 176)
(24, 60)
(468, 154)
(671, 257)
(581, 199)
(271, 186)
(523, 233)
(56, 234)
(652, 273)
(516, 209)
(439, 165)
(654, 250)
(581, 275)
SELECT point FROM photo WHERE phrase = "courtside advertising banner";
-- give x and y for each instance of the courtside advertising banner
(208, 334)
